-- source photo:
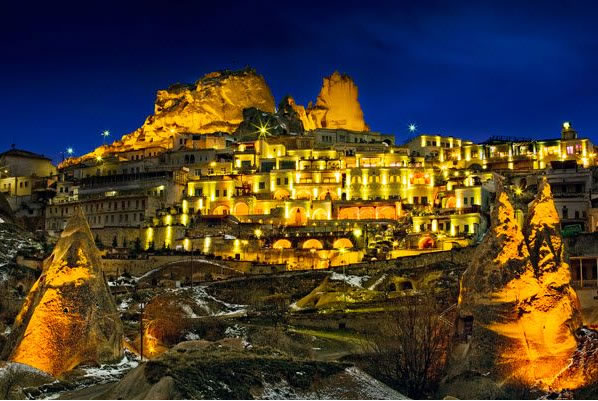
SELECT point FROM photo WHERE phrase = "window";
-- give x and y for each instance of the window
(466, 228)
(422, 227)
(224, 193)
(198, 191)
(415, 200)
(286, 181)
(262, 185)
(471, 201)
(217, 193)
(278, 181)
(424, 200)
(465, 201)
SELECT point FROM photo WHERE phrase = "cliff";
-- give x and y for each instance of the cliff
(517, 292)
(214, 103)
(336, 106)
(69, 316)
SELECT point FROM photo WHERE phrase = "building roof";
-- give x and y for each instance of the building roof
(23, 153)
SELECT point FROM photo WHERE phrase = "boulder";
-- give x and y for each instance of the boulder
(69, 316)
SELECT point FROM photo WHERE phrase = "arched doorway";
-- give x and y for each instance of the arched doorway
(221, 210)
(426, 243)
(282, 244)
(241, 209)
(342, 243)
(297, 216)
(312, 244)
(281, 194)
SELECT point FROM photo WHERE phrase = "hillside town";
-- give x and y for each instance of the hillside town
(297, 249)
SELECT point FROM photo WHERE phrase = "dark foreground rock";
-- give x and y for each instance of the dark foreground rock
(228, 370)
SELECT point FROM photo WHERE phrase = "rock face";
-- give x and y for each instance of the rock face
(69, 316)
(517, 291)
(214, 103)
(337, 105)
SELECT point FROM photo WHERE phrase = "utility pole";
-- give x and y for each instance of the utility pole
(141, 308)
(191, 265)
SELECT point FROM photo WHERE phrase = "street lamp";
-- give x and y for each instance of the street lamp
(105, 134)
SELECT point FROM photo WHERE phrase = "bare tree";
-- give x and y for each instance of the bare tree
(409, 349)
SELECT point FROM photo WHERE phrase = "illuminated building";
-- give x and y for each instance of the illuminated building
(326, 190)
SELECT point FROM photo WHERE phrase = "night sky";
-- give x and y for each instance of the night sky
(470, 70)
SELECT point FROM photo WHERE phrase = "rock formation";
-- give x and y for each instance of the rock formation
(307, 122)
(214, 103)
(336, 106)
(69, 316)
(517, 291)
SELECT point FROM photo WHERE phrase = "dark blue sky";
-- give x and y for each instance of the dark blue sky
(469, 69)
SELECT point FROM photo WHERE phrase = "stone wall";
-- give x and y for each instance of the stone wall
(458, 256)
(357, 322)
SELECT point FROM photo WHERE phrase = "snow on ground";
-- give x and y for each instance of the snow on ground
(373, 286)
(106, 373)
(279, 391)
(237, 331)
(187, 309)
(111, 372)
(124, 305)
(354, 281)
(210, 304)
(16, 367)
(350, 384)
(372, 388)
(192, 337)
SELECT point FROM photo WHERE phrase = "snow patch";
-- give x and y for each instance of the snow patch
(354, 281)
(192, 337)
(373, 286)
